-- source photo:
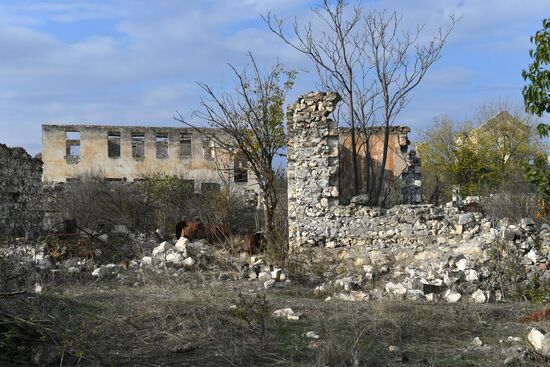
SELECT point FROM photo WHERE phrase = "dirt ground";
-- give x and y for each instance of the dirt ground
(199, 320)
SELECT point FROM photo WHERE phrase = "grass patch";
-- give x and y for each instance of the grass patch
(188, 321)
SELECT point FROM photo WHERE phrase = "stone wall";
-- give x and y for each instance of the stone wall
(20, 192)
(315, 177)
(426, 252)
(312, 169)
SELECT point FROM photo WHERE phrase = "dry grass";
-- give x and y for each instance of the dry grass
(187, 321)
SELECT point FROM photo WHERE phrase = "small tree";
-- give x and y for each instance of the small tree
(537, 93)
(537, 101)
(336, 55)
(252, 118)
(171, 197)
(438, 153)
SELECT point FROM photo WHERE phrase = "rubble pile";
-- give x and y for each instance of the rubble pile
(413, 252)
(166, 259)
(425, 252)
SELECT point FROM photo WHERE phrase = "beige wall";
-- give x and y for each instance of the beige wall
(94, 157)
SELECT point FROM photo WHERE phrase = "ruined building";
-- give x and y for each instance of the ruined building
(402, 166)
(20, 192)
(127, 153)
(318, 174)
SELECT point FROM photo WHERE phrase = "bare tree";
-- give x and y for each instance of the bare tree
(335, 55)
(253, 119)
(371, 62)
(400, 63)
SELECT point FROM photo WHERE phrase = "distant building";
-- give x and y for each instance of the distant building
(128, 153)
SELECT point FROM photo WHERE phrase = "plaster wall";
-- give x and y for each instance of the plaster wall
(94, 158)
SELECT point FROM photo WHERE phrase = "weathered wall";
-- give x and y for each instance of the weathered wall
(20, 192)
(93, 156)
(312, 167)
(397, 161)
(316, 179)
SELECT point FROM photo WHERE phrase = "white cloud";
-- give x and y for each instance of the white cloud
(447, 77)
(29, 12)
(144, 65)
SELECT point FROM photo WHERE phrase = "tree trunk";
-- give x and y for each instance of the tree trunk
(353, 138)
(269, 213)
(380, 184)
(368, 172)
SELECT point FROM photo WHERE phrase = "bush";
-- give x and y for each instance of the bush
(515, 201)
(511, 277)
(256, 314)
(99, 204)
(156, 201)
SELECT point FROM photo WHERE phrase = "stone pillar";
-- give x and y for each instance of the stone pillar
(312, 169)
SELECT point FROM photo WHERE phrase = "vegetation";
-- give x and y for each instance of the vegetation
(157, 201)
(537, 93)
(537, 101)
(170, 196)
(166, 321)
(99, 204)
(481, 157)
(251, 120)
(506, 261)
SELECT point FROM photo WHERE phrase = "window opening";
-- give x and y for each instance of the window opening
(138, 145)
(186, 148)
(72, 146)
(207, 187)
(240, 170)
(161, 141)
(113, 144)
(207, 148)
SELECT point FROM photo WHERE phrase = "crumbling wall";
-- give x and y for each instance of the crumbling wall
(312, 168)
(316, 178)
(53, 195)
(397, 160)
(20, 192)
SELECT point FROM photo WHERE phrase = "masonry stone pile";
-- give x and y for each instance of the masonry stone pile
(414, 251)
(429, 252)
(20, 192)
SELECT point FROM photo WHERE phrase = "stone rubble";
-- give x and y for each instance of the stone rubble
(312, 335)
(287, 313)
(415, 252)
(540, 341)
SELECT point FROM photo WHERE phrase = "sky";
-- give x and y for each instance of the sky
(137, 62)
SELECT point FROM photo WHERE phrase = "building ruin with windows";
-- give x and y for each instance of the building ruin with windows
(129, 153)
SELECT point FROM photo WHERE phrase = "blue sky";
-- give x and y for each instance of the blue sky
(133, 62)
